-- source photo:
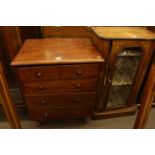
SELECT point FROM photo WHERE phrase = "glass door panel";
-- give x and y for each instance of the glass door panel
(125, 70)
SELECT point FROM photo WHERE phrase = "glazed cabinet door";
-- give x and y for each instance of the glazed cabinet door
(127, 65)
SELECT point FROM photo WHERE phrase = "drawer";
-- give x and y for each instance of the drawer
(66, 31)
(58, 72)
(60, 86)
(59, 113)
(61, 100)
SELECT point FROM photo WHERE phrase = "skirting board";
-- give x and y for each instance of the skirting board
(115, 112)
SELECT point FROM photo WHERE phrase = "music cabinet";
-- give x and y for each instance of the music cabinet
(128, 52)
(84, 71)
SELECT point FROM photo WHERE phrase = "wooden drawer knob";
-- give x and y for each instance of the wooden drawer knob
(46, 114)
(43, 102)
(79, 72)
(77, 99)
(78, 85)
(88, 28)
(39, 74)
(77, 113)
(58, 28)
(41, 87)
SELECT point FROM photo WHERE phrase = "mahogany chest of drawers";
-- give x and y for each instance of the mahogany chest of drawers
(59, 77)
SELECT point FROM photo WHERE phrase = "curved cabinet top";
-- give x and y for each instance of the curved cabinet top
(123, 32)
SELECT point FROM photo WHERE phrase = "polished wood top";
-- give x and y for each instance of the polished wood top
(123, 33)
(57, 51)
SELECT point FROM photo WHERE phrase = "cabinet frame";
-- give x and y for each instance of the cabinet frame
(117, 47)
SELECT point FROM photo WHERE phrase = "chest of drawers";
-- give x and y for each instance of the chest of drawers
(59, 77)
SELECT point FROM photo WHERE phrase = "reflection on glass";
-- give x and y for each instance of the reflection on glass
(118, 95)
(126, 67)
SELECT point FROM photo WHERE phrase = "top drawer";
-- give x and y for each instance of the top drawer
(40, 73)
(65, 31)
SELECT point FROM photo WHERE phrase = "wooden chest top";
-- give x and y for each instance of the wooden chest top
(57, 51)
(118, 32)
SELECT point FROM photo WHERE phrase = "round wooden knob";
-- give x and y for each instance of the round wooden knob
(39, 74)
(57, 28)
(88, 28)
(43, 102)
(41, 87)
(79, 72)
(77, 100)
(77, 112)
(46, 114)
(78, 85)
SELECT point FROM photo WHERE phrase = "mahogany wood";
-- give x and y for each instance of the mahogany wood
(7, 104)
(60, 86)
(11, 40)
(65, 31)
(60, 113)
(119, 38)
(57, 51)
(104, 43)
(146, 100)
(58, 72)
(61, 100)
(115, 112)
(117, 46)
(77, 73)
(118, 32)
(10, 44)
(29, 32)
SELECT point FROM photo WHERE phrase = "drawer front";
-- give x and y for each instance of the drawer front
(66, 31)
(60, 100)
(58, 72)
(60, 86)
(59, 113)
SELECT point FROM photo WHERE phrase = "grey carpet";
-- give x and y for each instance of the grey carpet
(111, 123)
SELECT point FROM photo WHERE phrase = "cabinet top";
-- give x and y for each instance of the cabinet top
(57, 51)
(123, 33)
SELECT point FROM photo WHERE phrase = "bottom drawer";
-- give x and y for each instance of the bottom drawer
(60, 113)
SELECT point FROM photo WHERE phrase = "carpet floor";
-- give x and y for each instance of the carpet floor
(111, 123)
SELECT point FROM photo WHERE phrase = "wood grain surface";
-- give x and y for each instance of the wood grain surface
(57, 51)
(123, 33)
